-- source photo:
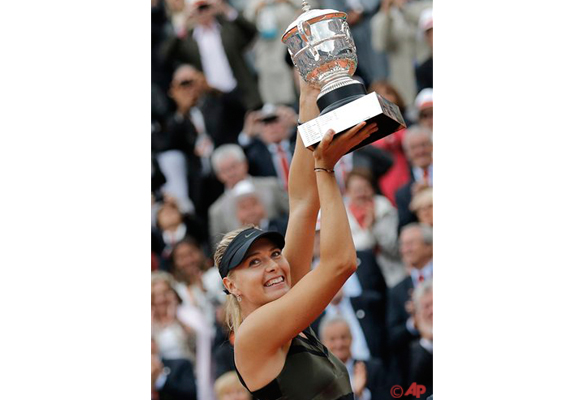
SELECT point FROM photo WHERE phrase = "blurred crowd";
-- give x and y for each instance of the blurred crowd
(224, 118)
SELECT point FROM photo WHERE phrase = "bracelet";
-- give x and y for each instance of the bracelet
(324, 169)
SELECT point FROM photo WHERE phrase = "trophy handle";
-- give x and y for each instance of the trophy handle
(304, 29)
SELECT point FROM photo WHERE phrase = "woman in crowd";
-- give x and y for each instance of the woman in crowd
(174, 338)
(422, 206)
(273, 293)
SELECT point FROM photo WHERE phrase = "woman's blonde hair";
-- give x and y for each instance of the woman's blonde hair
(233, 310)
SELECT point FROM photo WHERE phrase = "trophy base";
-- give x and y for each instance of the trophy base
(347, 107)
(340, 96)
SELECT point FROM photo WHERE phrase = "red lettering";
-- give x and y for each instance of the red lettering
(415, 390)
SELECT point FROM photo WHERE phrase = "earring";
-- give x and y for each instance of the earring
(238, 298)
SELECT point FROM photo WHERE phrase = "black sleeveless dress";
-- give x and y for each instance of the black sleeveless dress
(310, 372)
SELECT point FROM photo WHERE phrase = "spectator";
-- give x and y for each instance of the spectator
(372, 65)
(184, 324)
(230, 165)
(272, 19)
(189, 267)
(394, 31)
(368, 378)
(173, 226)
(422, 206)
(228, 387)
(365, 313)
(172, 378)
(250, 211)
(374, 224)
(389, 92)
(215, 44)
(399, 173)
(424, 73)
(419, 151)
(268, 141)
(416, 246)
(368, 275)
(421, 351)
(424, 107)
(175, 339)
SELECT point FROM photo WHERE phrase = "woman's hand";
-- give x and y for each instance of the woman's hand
(329, 151)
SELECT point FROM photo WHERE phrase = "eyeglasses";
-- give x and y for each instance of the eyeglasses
(186, 83)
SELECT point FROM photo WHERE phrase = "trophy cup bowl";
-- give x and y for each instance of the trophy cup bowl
(323, 51)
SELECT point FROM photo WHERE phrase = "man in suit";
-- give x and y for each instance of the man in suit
(416, 248)
(230, 165)
(418, 147)
(268, 141)
(171, 379)
(368, 378)
(421, 351)
(189, 131)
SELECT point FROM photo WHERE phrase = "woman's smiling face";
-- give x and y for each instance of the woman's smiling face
(262, 276)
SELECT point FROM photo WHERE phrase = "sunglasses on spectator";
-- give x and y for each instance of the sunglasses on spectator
(203, 7)
(270, 120)
(186, 83)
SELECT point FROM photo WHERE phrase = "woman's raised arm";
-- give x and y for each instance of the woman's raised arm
(303, 196)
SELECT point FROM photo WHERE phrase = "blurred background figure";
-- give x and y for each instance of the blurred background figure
(272, 18)
(399, 173)
(395, 31)
(424, 107)
(373, 223)
(372, 64)
(228, 387)
(424, 72)
(368, 378)
(250, 209)
(421, 350)
(230, 165)
(268, 141)
(174, 338)
(416, 246)
(216, 43)
(422, 206)
(172, 378)
(181, 330)
(171, 227)
(419, 151)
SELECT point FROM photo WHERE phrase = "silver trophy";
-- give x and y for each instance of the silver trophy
(323, 51)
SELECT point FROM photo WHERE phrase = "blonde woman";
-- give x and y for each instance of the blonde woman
(273, 293)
